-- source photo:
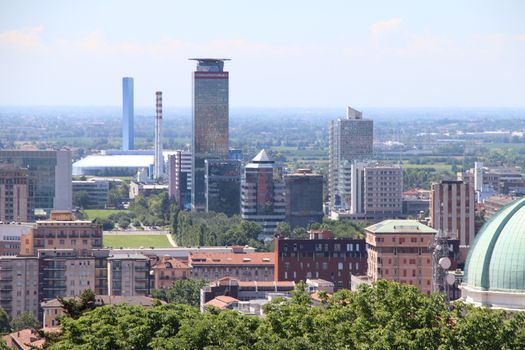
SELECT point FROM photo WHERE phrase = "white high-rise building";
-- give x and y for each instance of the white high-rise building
(351, 139)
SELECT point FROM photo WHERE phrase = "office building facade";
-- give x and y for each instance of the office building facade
(222, 182)
(179, 178)
(210, 122)
(263, 194)
(452, 205)
(50, 177)
(128, 126)
(350, 139)
(96, 191)
(304, 198)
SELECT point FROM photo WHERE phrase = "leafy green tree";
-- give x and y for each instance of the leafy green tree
(81, 199)
(5, 326)
(284, 229)
(75, 308)
(181, 292)
(25, 320)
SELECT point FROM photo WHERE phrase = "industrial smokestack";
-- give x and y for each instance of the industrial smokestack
(158, 171)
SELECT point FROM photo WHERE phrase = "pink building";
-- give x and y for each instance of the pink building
(398, 250)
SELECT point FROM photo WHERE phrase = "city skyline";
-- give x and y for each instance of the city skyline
(389, 55)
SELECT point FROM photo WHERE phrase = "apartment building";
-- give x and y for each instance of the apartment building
(62, 231)
(321, 256)
(128, 274)
(168, 270)
(19, 289)
(398, 250)
(239, 264)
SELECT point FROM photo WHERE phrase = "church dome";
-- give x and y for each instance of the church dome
(496, 260)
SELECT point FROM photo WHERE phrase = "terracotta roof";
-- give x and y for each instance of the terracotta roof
(171, 263)
(240, 259)
(222, 301)
(24, 339)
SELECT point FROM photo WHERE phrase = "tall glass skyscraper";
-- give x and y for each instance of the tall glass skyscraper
(128, 133)
(209, 123)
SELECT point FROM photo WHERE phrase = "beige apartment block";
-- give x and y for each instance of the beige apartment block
(398, 250)
(19, 285)
(62, 231)
(128, 274)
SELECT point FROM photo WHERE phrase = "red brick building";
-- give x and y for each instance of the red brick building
(320, 257)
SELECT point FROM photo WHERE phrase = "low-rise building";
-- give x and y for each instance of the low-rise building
(96, 190)
(10, 235)
(24, 339)
(52, 309)
(168, 270)
(495, 203)
(239, 264)
(136, 188)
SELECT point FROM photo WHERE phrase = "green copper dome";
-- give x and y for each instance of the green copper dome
(496, 260)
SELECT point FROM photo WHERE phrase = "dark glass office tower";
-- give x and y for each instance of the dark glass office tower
(210, 122)
(128, 133)
(222, 181)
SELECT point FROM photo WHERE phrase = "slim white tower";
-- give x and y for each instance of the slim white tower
(158, 172)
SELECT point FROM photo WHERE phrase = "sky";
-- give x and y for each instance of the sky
(446, 53)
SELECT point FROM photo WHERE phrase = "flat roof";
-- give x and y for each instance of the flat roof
(400, 226)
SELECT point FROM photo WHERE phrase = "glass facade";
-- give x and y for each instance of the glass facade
(128, 132)
(223, 186)
(50, 176)
(262, 194)
(209, 123)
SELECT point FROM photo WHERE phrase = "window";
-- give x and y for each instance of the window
(350, 266)
(325, 266)
(340, 266)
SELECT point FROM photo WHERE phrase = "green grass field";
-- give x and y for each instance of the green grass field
(437, 166)
(91, 214)
(136, 241)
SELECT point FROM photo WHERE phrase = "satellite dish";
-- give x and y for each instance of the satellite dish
(444, 263)
(438, 247)
(450, 279)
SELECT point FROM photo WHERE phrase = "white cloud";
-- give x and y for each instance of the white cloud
(28, 39)
(377, 30)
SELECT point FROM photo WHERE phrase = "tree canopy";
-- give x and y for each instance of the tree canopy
(386, 316)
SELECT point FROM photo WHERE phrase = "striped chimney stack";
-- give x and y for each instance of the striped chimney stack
(158, 171)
